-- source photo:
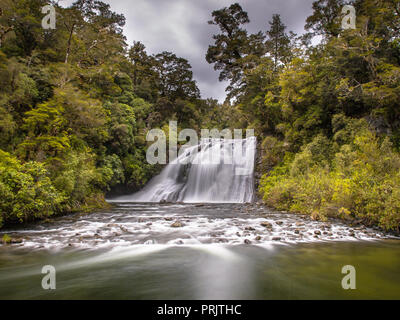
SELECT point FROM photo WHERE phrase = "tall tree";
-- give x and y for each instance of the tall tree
(278, 42)
(175, 77)
(326, 17)
(233, 44)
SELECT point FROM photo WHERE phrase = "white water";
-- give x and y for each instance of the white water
(215, 171)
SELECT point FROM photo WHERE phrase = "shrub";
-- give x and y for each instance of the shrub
(26, 191)
(362, 180)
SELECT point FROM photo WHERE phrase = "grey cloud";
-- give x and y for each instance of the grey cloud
(180, 26)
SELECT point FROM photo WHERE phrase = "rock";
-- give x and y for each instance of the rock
(258, 238)
(247, 241)
(249, 229)
(279, 223)
(317, 232)
(16, 240)
(276, 238)
(352, 234)
(297, 231)
(199, 205)
(266, 225)
(168, 219)
(176, 224)
(163, 201)
(8, 240)
(299, 224)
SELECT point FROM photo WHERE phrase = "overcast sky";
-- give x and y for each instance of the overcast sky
(180, 26)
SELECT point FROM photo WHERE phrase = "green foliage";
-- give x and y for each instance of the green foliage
(26, 191)
(360, 180)
(75, 107)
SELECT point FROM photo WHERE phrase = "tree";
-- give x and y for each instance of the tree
(233, 44)
(175, 77)
(278, 42)
(97, 29)
(4, 29)
(326, 17)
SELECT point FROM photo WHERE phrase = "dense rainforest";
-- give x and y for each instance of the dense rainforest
(77, 101)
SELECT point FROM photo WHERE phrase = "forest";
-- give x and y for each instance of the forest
(77, 101)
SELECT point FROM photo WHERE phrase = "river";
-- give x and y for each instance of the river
(197, 251)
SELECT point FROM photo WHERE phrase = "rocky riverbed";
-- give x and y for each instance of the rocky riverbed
(184, 224)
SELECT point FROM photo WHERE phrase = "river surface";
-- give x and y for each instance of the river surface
(197, 251)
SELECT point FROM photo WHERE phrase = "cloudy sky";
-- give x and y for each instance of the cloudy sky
(180, 26)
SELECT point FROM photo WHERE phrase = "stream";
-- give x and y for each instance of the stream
(197, 251)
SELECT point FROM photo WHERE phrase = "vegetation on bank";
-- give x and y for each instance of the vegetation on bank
(76, 103)
(328, 114)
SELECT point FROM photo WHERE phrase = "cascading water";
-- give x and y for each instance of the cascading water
(216, 170)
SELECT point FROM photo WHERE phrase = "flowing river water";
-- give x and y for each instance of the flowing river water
(212, 246)
(197, 251)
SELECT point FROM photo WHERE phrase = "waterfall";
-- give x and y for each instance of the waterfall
(216, 170)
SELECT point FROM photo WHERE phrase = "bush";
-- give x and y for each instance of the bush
(361, 180)
(26, 191)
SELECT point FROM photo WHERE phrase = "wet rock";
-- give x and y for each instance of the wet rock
(163, 201)
(16, 241)
(266, 225)
(317, 232)
(249, 229)
(222, 240)
(352, 234)
(123, 229)
(177, 224)
(6, 239)
(200, 205)
(299, 224)
(258, 238)
(279, 223)
(247, 241)
(276, 238)
(168, 219)
(297, 231)
(149, 224)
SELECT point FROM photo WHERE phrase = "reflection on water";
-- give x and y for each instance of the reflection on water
(300, 271)
(218, 252)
